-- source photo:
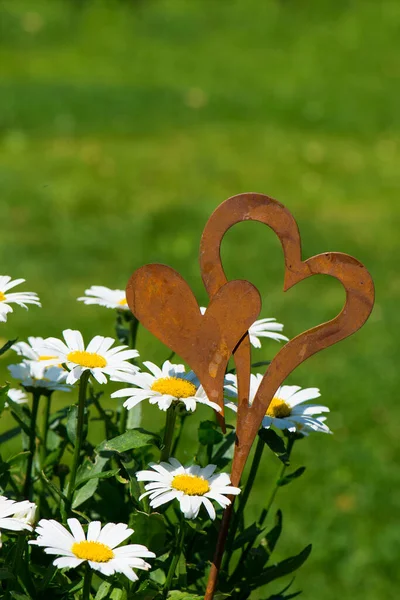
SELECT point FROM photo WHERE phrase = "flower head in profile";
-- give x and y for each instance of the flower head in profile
(192, 486)
(262, 328)
(104, 296)
(32, 375)
(286, 410)
(31, 352)
(98, 547)
(163, 387)
(20, 298)
(16, 516)
(17, 396)
(98, 357)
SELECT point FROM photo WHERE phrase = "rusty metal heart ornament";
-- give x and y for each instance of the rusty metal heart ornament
(164, 303)
(360, 295)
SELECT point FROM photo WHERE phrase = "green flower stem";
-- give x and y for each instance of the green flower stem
(181, 422)
(45, 430)
(79, 431)
(176, 557)
(27, 491)
(133, 329)
(282, 471)
(265, 511)
(87, 582)
(168, 433)
(244, 496)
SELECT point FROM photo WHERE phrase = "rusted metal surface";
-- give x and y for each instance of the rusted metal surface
(165, 305)
(163, 302)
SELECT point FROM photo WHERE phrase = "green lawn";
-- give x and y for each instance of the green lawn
(124, 124)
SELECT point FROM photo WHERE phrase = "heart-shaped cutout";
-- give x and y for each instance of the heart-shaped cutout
(164, 303)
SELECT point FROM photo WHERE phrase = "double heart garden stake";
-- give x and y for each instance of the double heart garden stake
(163, 302)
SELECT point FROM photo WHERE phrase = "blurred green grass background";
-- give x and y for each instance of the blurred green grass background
(124, 124)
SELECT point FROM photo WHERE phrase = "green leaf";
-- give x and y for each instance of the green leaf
(103, 590)
(9, 435)
(209, 433)
(158, 576)
(85, 492)
(7, 346)
(273, 535)
(249, 534)
(134, 438)
(291, 476)
(181, 571)
(152, 528)
(280, 596)
(134, 417)
(103, 475)
(19, 414)
(147, 591)
(130, 467)
(275, 443)
(118, 594)
(261, 363)
(89, 468)
(226, 448)
(18, 457)
(285, 567)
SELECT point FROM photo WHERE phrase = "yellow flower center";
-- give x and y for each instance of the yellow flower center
(173, 386)
(190, 485)
(45, 357)
(2, 297)
(123, 302)
(95, 551)
(279, 409)
(91, 360)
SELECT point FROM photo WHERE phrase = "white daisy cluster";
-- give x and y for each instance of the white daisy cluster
(286, 410)
(163, 387)
(191, 486)
(16, 516)
(262, 328)
(100, 547)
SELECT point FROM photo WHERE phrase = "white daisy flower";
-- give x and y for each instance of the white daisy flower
(21, 298)
(262, 328)
(98, 548)
(17, 396)
(16, 516)
(32, 375)
(286, 410)
(99, 358)
(104, 296)
(31, 351)
(163, 387)
(192, 486)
